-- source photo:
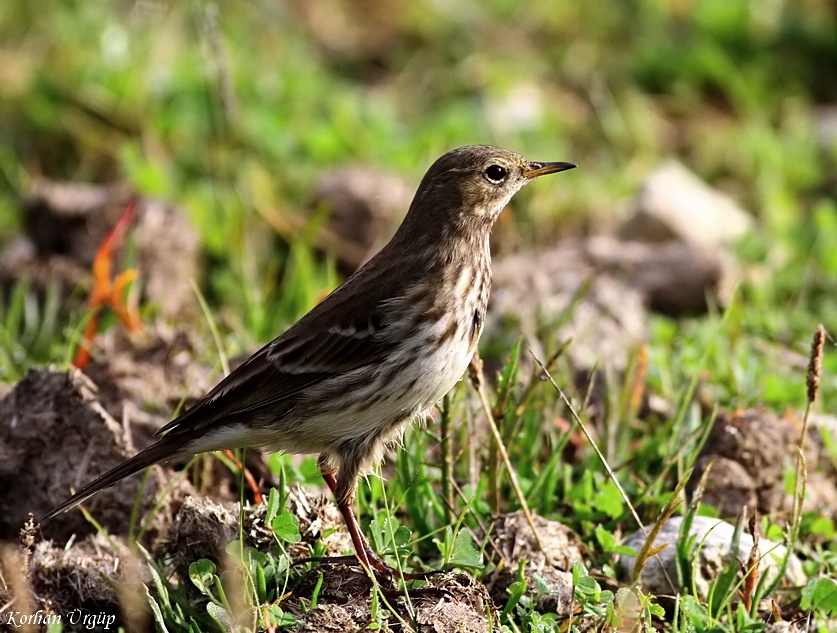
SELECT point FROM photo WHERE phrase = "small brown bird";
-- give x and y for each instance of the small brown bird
(379, 351)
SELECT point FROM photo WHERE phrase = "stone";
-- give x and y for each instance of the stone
(363, 206)
(674, 204)
(713, 545)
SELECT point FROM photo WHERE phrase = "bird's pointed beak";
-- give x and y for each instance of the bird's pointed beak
(542, 169)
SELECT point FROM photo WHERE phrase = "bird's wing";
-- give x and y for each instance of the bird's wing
(342, 333)
(339, 335)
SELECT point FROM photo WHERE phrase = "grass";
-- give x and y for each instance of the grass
(233, 112)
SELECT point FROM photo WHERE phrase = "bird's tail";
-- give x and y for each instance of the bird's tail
(163, 450)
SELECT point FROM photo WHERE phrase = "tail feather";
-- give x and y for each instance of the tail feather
(165, 449)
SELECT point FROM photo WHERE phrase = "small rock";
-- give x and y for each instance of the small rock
(791, 627)
(713, 543)
(467, 607)
(75, 576)
(521, 108)
(729, 487)
(512, 536)
(363, 205)
(317, 516)
(95, 584)
(72, 218)
(54, 421)
(556, 293)
(749, 452)
(597, 293)
(675, 278)
(676, 204)
(147, 375)
(66, 222)
(169, 252)
(332, 618)
(202, 529)
(825, 123)
(447, 603)
(360, 35)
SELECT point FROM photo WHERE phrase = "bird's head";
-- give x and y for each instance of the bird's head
(469, 186)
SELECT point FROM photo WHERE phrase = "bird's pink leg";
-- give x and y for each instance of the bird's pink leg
(365, 554)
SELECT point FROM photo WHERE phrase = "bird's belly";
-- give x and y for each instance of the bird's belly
(353, 406)
(367, 402)
(437, 373)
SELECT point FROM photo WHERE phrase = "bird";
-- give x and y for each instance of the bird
(378, 352)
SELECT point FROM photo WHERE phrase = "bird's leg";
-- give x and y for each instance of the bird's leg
(365, 554)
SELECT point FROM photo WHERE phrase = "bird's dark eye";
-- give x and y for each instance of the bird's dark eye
(495, 173)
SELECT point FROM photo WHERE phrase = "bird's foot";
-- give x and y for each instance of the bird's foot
(373, 562)
(378, 566)
(383, 580)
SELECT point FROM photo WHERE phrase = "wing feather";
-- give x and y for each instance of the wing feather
(324, 343)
